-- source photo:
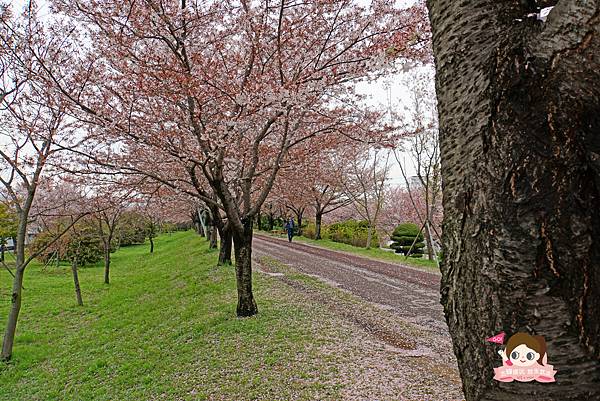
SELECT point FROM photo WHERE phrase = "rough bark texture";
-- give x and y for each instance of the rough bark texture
(519, 104)
(225, 247)
(243, 270)
(76, 282)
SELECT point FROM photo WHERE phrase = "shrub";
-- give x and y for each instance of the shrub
(81, 243)
(403, 237)
(133, 229)
(351, 232)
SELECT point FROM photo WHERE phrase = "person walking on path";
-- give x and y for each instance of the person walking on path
(289, 227)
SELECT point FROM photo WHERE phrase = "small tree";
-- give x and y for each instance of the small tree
(404, 238)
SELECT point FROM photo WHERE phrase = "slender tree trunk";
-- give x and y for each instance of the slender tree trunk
(106, 262)
(243, 271)
(299, 218)
(203, 227)
(16, 295)
(519, 104)
(76, 282)
(430, 250)
(225, 247)
(258, 221)
(369, 237)
(318, 220)
(151, 245)
(213, 237)
(13, 315)
(271, 221)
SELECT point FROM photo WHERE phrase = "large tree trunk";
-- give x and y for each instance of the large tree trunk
(107, 262)
(76, 282)
(243, 271)
(225, 247)
(520, 143)
(318, 223)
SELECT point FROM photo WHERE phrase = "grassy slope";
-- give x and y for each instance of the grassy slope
(163, 329)
(373, 253)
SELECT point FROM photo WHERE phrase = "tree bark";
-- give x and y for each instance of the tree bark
(243, 270)
(258, 221)
(16, 295)
(271, 221)
(430, 250)
(299, 216)
(213, 237)
(369, 237)
(202, 219)
(151, 245)
(13, 316)
(76, 282)
(318, 222)
(106, 262)
(519, 107)
(225, 247)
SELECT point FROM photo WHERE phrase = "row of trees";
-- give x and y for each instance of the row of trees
(353, 180)
(207, 100)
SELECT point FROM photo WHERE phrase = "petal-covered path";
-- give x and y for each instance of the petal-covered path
(411, 293)
(405, 316)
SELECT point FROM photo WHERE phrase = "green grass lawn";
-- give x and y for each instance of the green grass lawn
(165, 328)
(373, 253)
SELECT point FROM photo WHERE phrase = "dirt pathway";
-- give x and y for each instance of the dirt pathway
(405, 351)
(411, 293)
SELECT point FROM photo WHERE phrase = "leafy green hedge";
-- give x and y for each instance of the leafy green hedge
(351, 232)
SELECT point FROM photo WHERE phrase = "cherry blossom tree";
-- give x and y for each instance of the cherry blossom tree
(422, 147)
(366, 185)
(34, 129)
(224, 89)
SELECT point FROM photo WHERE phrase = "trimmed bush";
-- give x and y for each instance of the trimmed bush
(403, 237)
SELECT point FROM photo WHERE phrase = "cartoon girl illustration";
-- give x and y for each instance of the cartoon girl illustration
(525, 359)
